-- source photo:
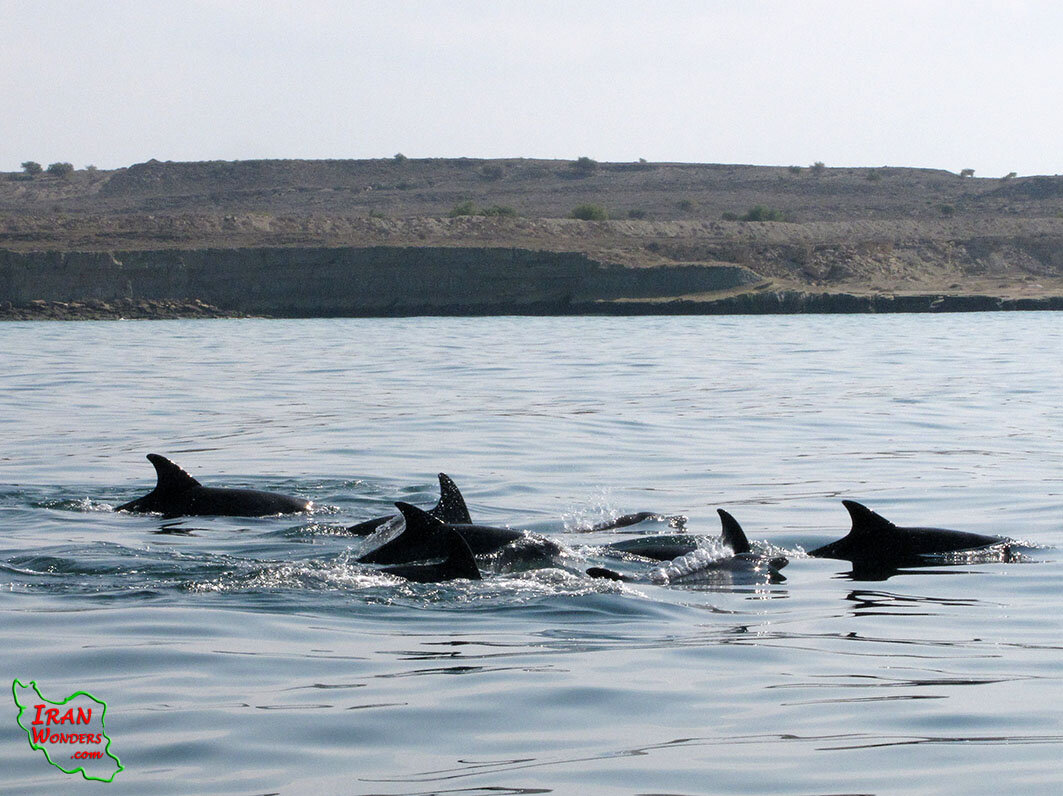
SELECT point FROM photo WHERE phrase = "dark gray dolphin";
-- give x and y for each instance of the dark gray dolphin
(458, 563)
(675, 520)
(874, 540)
(177, 493)
(692, 567)
(424, 537)
(450, 508)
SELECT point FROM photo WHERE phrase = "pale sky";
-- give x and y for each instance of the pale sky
(953, 85)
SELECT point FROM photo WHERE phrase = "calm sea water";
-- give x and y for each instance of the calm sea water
(252, 656)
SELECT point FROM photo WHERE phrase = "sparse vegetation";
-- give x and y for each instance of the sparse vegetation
(762, 213)
(967, 173)
(795, 169)
(947, 209)
(729, 216)
(492, 171)
(1009, 176)
(63, 170)
(399, 158)
(469, 209)
(637, 213)
(584, 166)
(32, 168)
(90, 168)
(686, 205)
(590, 212)
(818, 167)
(874, 175)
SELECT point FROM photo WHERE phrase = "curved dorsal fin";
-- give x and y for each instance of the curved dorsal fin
(733, 536)
(451, 506)
(171, 478)
(418, 523)
(865, 521)
(460, 561)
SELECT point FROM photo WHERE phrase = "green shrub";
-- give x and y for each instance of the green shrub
(584, 166)
(590, 212)
(686, 205)
(63, 170)
(967, 173)
(499, 211)
(947, 210)
(1009, 176)
(818, 167)
(637, 213)
(32, 168)
(463, 209)
(762, 213)
(874, 176)
(399, 158)
(492, 171)
(729, 216)
(795, 169)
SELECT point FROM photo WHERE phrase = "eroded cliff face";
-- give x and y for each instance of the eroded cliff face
(354, 280)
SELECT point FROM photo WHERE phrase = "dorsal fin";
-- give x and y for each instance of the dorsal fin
(451, 506)
(171, 478)
(865, 521)
(460, 561)
(733, 536)
(419, 523)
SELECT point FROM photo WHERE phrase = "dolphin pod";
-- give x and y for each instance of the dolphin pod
(441, 543)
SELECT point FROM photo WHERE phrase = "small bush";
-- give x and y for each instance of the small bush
(584, 166)
(637, 213)
(686, 205)
(1009, 176)
(499, 211)
(947, 210)
(874, 176)
(795, 169)
(762, 213)
(90, 168)
(590, 212)
(818, 167)
(967, 173)
(63, 170)
(399, 158)
(492, 171)
(729, 216)
(32, 168)
(463, 209)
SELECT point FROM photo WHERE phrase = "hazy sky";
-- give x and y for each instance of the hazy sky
(902, 82)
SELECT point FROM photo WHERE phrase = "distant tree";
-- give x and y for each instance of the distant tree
(967, 173)
(585, 166)
(32, 168)
(818, 167)
(399, 158)
(795, 169)
(589, 212)
(63, 170)
(1010, 175)
(90, 168)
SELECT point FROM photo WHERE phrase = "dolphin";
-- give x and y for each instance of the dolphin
(424, 537)
(450, 508)
(675, 520)
(177, 493)
(874, 540)
(693, 566)
(660, 547)
(457, 563)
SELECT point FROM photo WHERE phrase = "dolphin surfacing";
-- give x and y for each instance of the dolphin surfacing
(458, 563)
(450, 508)
(176, 493)
(875, 540)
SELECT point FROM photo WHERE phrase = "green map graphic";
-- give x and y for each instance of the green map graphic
(70, 733)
